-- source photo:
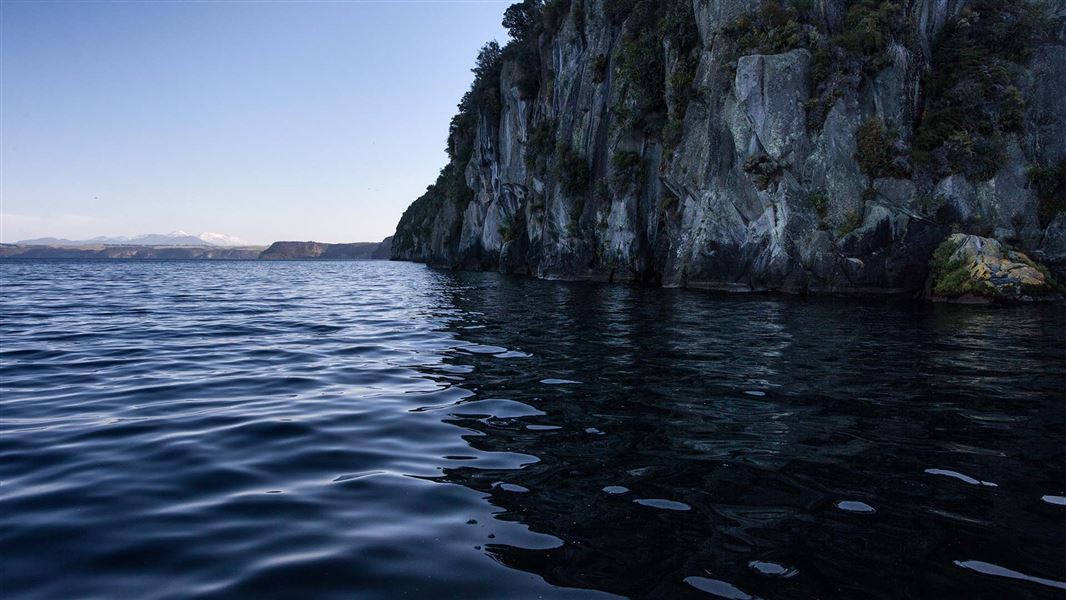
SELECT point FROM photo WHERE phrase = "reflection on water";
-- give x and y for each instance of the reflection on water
(384, 430)
(751, 441)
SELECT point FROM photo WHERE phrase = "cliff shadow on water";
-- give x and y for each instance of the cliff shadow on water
(783, 145)
(682, 443)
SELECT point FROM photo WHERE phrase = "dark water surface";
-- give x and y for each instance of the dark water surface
(380, 430)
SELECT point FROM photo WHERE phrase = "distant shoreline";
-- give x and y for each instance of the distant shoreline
(283, 250)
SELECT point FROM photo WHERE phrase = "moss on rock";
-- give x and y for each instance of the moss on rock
(970, 268)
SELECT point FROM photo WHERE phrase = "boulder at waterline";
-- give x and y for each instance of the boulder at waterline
(974, 269)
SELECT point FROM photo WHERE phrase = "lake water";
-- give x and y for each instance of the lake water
(381, 430)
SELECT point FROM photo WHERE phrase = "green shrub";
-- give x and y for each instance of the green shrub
(869, 27)
(951, 278)
(1049, 184)
(973, 100)
(681, 91)
(540, 146)
(641, 68)
(628, 170)
(772, 28)
(554, 14)
(764, 170)
(878, 154)
(820, 202)
(573, 172)
(417, 221)
(483, 98)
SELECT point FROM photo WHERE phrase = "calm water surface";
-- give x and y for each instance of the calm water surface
(381, 430)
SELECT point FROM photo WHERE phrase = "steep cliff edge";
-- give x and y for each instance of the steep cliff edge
(803, 146)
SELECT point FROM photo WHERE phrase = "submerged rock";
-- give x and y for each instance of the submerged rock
(975, 269)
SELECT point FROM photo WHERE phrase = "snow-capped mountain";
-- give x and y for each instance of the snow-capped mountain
(221, 239)
(174, 238)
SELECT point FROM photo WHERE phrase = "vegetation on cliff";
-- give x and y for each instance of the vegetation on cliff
(973, 98)
(617, 136)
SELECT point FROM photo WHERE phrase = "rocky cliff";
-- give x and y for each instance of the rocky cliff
(319, 250)
(801, 146)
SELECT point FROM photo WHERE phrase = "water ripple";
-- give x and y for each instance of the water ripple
(382, 430)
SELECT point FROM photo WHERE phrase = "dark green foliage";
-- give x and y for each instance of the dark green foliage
(777, 26)
(677, 24)
(820, 202)
(641, 64)
(869, 27)
(1049, 184)
(764, 170)
(555, 12)
(772, 29)
(511, 228)
(450, 187)
(672, 133)
(877, 154)
(483, 96)
(527, 58)
(628, 170)
(618, 11)
(973, 101)
(573, 172)
(540, 146)
(951, 278)
(641, 68)
(599, 69)
(522, 20)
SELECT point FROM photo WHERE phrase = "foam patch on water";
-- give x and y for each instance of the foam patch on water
(960, 477)
(479, 349)
(855, 506)
(513, 354)
(998, 571)
(717, 587)
(510, 487)
(771, 569)
(495, 407)
(662, 504)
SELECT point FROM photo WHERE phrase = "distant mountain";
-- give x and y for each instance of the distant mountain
(174, 238)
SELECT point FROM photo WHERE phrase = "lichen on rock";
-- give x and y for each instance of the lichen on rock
(974, 269)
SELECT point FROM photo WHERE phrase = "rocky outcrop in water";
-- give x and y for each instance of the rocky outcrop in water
(812, 146)
(976, 270)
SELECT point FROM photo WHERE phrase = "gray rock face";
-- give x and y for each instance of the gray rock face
(748, 196)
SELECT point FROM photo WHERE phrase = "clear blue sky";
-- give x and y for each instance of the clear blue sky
(265, 120)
